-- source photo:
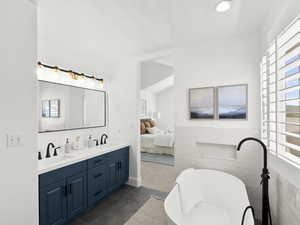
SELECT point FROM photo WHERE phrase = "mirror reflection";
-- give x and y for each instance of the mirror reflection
(65, 107)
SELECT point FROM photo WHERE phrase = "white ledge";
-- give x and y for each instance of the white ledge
(210, 143)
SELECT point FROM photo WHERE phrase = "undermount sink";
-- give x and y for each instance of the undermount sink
(57, 159)
(108, 145)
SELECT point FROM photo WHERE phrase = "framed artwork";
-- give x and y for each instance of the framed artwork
(202, 103)
(143, 105)
(51, 108)
(55, 108)
(45, 109)
(233, 102)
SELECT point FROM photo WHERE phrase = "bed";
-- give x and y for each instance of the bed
(158, 142)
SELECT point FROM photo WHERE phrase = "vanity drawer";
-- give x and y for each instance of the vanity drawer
(96, 184)
(97, 161)
(96, 174)
(60, 174)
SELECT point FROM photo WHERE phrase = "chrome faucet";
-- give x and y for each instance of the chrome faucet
(103, 139)
(266, 211)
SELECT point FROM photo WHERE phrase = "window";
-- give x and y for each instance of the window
(280, 95)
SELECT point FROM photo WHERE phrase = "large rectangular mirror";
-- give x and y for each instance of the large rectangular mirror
(65, 107)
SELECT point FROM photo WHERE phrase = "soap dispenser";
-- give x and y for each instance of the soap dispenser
(90, 142)
(68, 146)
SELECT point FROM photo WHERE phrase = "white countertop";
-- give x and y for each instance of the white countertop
(75, 156)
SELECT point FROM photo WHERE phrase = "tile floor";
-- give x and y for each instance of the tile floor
(152, 213)
(118, 208)
(157, 176)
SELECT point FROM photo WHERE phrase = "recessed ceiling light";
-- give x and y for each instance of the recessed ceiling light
(223, 6)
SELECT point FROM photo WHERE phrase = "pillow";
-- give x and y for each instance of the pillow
(147, 124)
(143, 128)
(152, 123)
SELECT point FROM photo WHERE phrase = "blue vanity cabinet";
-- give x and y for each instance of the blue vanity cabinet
(118, 169)
(53, 204)
(77, 194)
(67, 192)
(123, 166)
(63, 194)
(97, 177)
(112, 172)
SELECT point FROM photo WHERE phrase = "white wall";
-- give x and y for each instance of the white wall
(88, 39)
(165, 106)
(124, 113)
(18, 166)
(154, 78)
(285, 178)
(209, 63)
(153, 72)
(150, 98)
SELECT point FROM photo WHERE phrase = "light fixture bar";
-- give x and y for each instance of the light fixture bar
(73, 74)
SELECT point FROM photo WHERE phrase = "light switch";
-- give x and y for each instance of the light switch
(14, 140)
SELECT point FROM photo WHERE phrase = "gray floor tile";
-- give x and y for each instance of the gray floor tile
(118, 208)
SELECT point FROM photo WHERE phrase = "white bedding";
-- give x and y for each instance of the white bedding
(157, 143)
(164, 140)
(147, 140)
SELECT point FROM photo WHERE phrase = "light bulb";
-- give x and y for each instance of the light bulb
(223, 6)
(101, 83)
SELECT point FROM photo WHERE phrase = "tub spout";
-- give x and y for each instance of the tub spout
(266, 211)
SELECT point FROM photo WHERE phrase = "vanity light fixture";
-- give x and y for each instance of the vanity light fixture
(40, 65)
(56, 69)
(101, 83)
(72, 74)
(223, 5)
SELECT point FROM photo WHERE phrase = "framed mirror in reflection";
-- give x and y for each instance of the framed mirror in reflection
(64, 107)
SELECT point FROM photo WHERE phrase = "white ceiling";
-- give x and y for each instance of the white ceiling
(166, 60)
(197, 19)
(108, 29)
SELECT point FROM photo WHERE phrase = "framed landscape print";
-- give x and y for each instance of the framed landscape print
(233, 102)
(202, 103)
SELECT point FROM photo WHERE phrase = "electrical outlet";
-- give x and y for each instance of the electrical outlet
(14, 140)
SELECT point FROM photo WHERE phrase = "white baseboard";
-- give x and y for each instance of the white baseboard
(135, 181)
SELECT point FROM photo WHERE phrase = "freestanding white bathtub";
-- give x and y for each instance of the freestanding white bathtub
(224, 199)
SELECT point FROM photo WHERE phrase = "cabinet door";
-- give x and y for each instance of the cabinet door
(77, 194)
(112, 176)
(123, 166)
(53, 204)
(112, 172)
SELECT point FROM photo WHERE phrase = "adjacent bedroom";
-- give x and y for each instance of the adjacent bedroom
(157, 111)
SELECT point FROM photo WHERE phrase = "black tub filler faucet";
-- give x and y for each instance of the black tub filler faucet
(266, 211)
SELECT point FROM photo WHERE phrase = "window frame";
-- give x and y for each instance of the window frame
(275, 68)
